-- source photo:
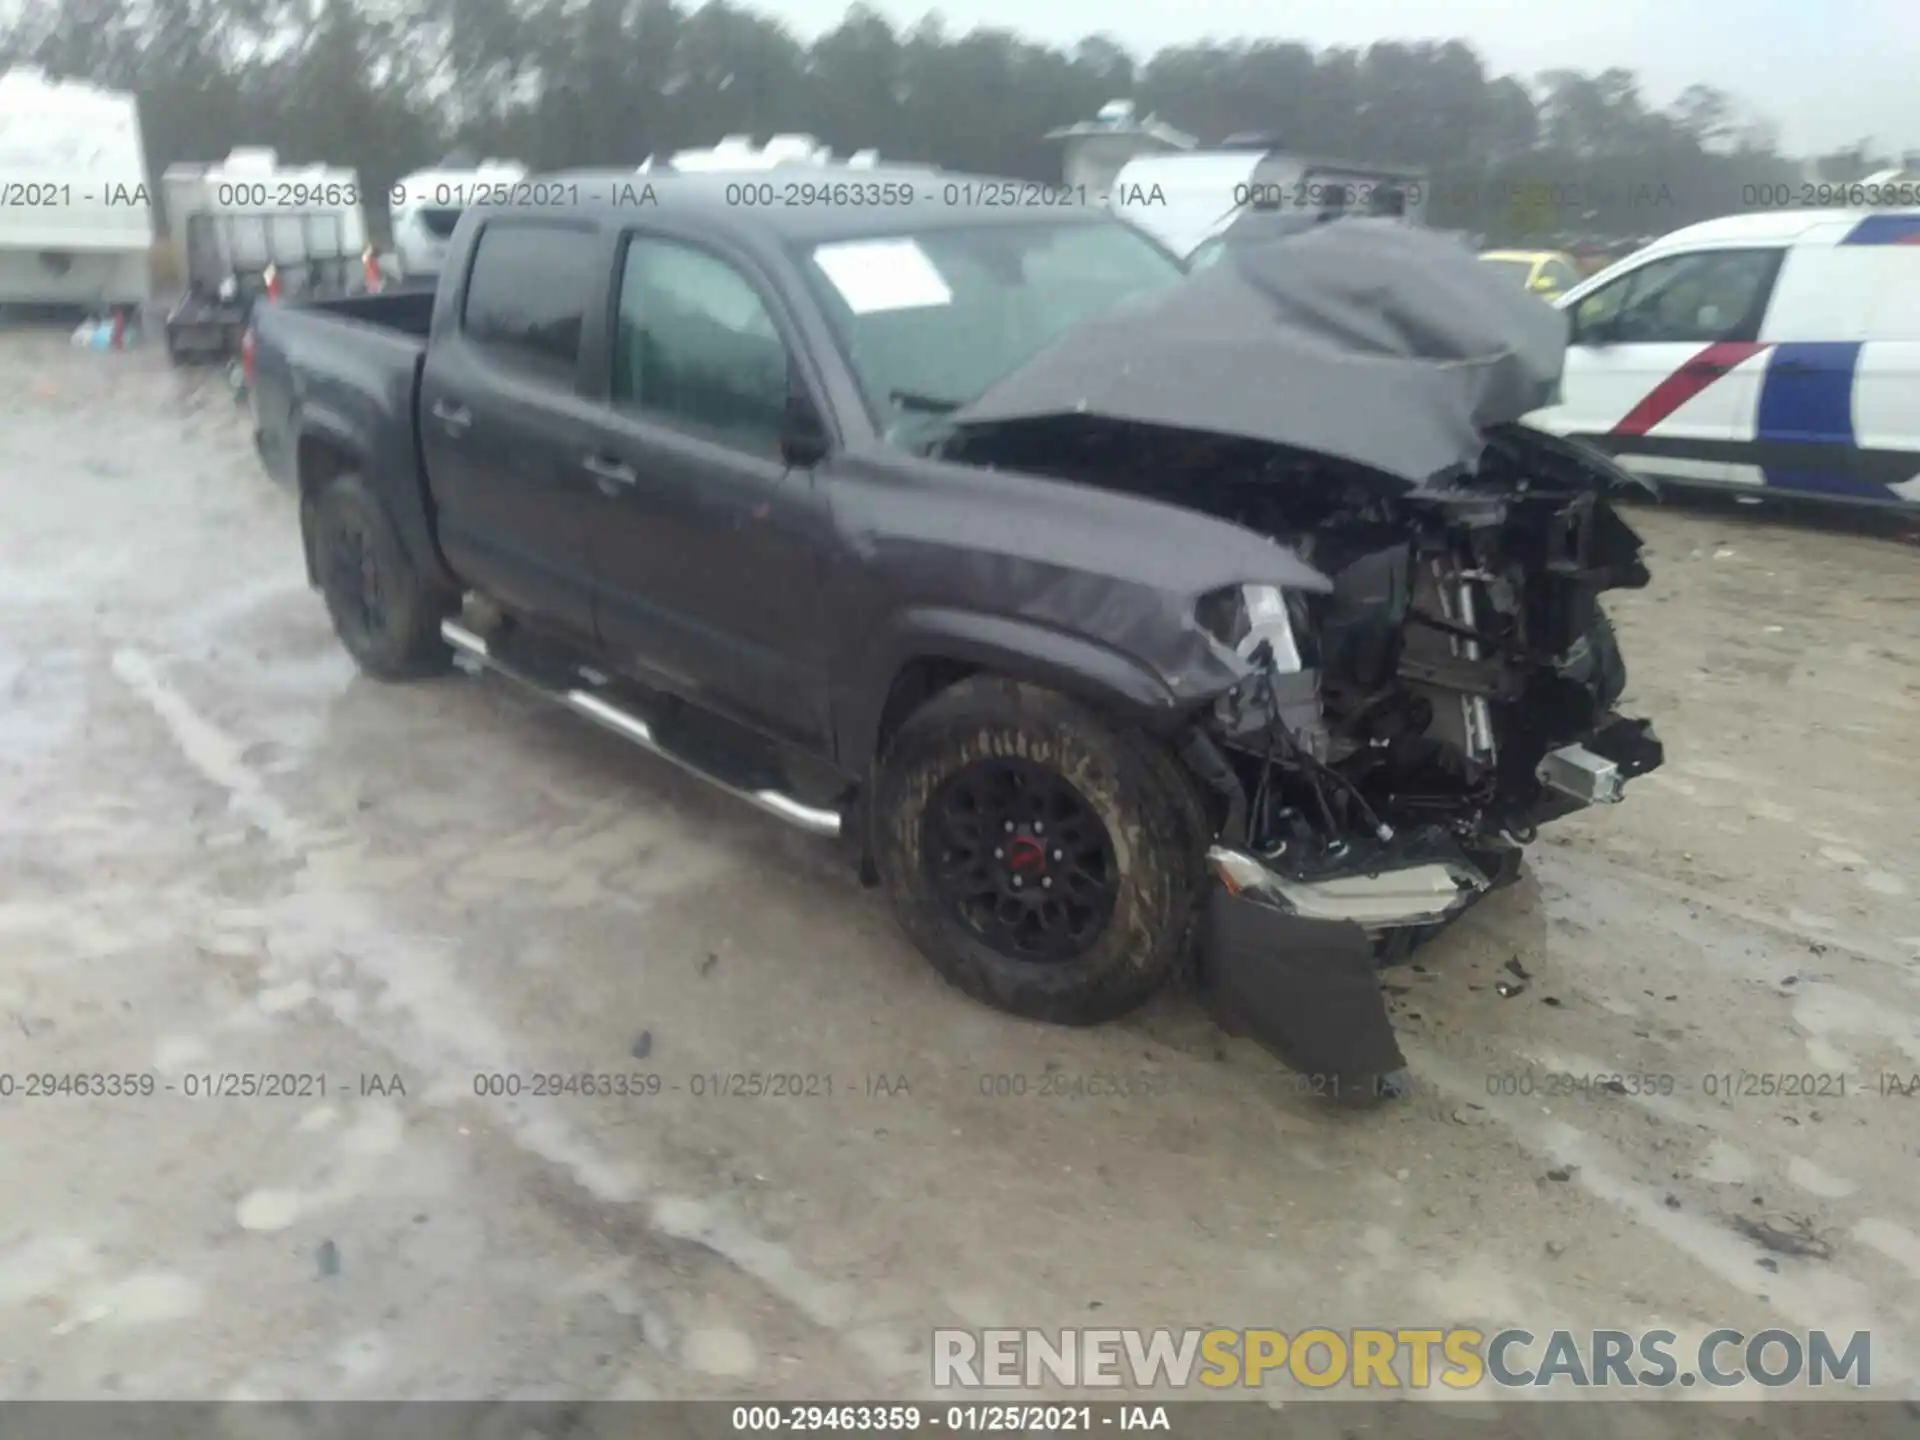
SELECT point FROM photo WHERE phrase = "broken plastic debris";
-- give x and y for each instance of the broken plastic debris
(111, 332)
(1507, 989)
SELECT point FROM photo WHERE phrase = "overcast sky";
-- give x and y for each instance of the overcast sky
(1827, 71)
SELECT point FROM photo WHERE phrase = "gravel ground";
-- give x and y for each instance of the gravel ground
(222, 850)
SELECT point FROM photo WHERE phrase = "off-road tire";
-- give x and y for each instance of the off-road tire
(403, 642)
(1136, 789)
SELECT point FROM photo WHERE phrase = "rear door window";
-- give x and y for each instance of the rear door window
(528, 292)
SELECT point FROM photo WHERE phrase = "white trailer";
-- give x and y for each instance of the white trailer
(76, 212)
(250, 227)
(737, 153)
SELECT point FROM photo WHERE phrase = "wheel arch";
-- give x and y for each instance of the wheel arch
(321, 455)
(928, 650)
(328, 446)
(1121, 777)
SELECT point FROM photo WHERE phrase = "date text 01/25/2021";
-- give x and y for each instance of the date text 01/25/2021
(197, 1085)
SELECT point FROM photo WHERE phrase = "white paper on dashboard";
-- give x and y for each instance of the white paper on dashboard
(876, 275)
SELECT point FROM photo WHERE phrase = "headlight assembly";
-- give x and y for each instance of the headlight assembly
(1245, 617)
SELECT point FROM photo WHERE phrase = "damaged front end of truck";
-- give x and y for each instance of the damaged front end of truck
(1380, 745)
(1397, 742)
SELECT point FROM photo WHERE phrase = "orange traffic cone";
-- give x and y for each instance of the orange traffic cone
(272, 276)
(374, 278)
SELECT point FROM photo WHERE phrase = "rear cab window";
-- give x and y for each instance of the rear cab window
(528, 291)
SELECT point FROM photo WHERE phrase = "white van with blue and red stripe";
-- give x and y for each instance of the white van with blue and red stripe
(1778, 350)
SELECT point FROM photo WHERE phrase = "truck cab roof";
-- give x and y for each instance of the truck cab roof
(912, 199)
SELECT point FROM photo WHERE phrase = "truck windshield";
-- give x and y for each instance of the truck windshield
(931, 320)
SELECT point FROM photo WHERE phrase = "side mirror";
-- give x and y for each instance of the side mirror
(803, 435)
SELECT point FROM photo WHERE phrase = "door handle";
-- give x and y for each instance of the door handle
(1703, 367)
(455, 417)
(612, 474)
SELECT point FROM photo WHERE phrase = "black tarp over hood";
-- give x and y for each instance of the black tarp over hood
(1364, 340)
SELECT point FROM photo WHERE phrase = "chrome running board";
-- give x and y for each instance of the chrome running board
(631, 727)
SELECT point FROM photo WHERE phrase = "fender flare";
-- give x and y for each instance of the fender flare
(329, 430)
(1004, 645)
(410, 521)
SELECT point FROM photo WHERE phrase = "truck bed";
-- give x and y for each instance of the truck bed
(408, 311)
(359, 360)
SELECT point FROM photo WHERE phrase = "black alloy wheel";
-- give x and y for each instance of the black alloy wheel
(353, 580)
(383, 609)
(1019, 859)
(1045, 859)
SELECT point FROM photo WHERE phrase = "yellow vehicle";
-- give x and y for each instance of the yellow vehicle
(1547, 273)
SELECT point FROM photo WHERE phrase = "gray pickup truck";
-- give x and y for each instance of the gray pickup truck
(1128, 625)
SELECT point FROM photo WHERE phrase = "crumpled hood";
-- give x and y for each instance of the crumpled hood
(1364, 340)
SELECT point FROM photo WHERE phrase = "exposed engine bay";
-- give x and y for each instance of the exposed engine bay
(1452, 692)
